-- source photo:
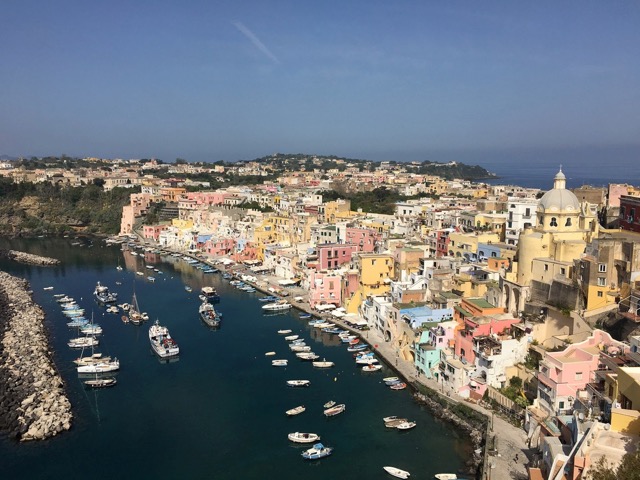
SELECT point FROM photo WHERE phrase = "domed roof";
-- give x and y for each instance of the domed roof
(559, 199)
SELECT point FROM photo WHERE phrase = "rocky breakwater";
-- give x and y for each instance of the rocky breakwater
(23, 257)
(33, 403)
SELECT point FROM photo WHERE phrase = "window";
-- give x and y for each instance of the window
(553, 222)
(568, 223)
(563, 271)
(561, 405)
(527, 212)
(546, 267)
(600, 294)
(602, 281)
(602, 267)
(578, 375)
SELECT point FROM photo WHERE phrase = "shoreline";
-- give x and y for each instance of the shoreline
(33, 401)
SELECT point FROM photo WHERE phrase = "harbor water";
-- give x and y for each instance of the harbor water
(218, 410)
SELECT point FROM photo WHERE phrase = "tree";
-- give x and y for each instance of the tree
(629, 468)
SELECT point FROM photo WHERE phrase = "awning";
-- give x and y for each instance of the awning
(322, 308)
(288, 282)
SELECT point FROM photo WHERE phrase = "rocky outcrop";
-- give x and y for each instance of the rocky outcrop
(33, 403)
(23, 257)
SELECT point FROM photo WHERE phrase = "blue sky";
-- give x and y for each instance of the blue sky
(383, 80)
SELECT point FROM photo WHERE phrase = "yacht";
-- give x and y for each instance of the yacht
(161, 341)
(277, 306)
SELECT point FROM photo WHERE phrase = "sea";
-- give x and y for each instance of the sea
(218, 410)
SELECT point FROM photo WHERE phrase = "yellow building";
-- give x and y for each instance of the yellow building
(375, 271)
(466, 244)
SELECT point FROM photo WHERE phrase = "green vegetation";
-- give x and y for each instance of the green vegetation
(629, 468)
(380, 200)
(515, 393)
(44, 208)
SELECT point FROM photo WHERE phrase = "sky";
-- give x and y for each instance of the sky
(208, 80)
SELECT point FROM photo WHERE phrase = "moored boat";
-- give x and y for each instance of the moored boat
(295, 411)
(277, 306)
(298, 383)
(95, 358)
(279, 363)
(396, 472)
(300, 437)
(100, 367)
(82, 342)
(371, 368)
(335, 410)
(290, 338)
(329, 404)
(317, 451)
(446, 476)
(406, 425)
(284, 331)
(161, 341)
(209, 315)
(100, 382)
(323, 364)
(398, 386)
(391, 380)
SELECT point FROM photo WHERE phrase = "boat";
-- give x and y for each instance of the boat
(211, 294)
(305, 315)
(395, 423)
(100, 382)
(398, 386)
(335, 410)
(102, 294)
(268, 354)
(317, 451)
(329, 404)
(83, 342)
(284, 332)
(366, 360)
(371, 368)
(406, 425)
(140, 273)
(300, 437)
(279, 363)
(446, 476)
(291, 338)
(161, 341)
(396, 472)
(296, 411)
(300, 348)
(135, 315)
(91, 329)
(391, 380)
(323, 364)
(151, 279)
(277, 306)
(188, 288)
(357, 348)
(269, 298)
(100, 367)
(392, 418)
(307, 356)
(94, 358)
(209, 315)
(48, 288)
(298, 383)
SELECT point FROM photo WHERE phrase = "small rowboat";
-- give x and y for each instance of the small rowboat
(300, 437)
(329, 404)
(395, 423)
(396, 472)
(335, 410)
(296, 411)
(406, 425)
(398, 386)
(284, 332)
(298, 383)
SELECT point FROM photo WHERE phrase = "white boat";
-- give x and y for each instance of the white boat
(284, 332)
(296, 411)
(323, 364)
(290, 338)
(101, 367)
(161, 341)
(269, 354)
(91, 329)
(317, 451)
(135, 315)
(100, 382)
(335, 410)
(300, 348)
(307, 356)
(209, 315)
(277, 306)
(390, 380)
(396, 472)
(392, 418)
(329, 404)
(406, 425)
(366, 361)
(298, 383)
(48, 288)
(300, 437)
(82, 342)
(95, 358)
(371, 368)
(102, 294)
(446, 476)
(279, 363)
(395, 423)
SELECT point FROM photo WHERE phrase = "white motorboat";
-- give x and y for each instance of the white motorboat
(300, 437)
(298, 383)
(296, 411)
(390, 380)
(366, 361)
(406, 425)
(82, 342)
(284, 332)
(279, 363)
(269, 354)
(446, 476)
(323, 364)
(100, 382)
(277, 306)
(396, 472)
(161, 341)
(371, 368)
(329, 404)
(395, 423)
(102, 294)
(317, 451)
(101, 367)
(95, 358)
(335, 410)
(291, 338)
(300, 348)
(91, 329)
(307, 356)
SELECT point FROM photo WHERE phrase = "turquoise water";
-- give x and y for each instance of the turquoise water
(217, 412)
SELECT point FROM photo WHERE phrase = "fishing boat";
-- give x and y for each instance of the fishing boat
(323, 364)
(357, 348)
(317, 451)
(446, 476)
(396, 472)
(100, 382)
(298, 383)
(329, 404)
(102, 294)
(209, 315)
(161, 341)
(335, 410)
(279, 363)
(277, 306)
(296, 411)
(284, 332)
(300, 437)
(406, 425)
(100, 367)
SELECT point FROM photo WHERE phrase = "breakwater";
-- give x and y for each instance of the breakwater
(33, 403)
(28, 258)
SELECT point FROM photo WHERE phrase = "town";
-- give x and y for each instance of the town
(519, 300)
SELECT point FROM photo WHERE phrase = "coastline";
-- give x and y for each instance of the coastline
(33, 401)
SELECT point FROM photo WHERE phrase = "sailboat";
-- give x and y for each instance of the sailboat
(135, 315)
(100, 382)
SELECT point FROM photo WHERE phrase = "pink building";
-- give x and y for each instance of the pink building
(364, 238)
(206, 198)
(324, 288)
(475, 327)
(563, 374)
(334, 255)
(219, 247)
(153, 231)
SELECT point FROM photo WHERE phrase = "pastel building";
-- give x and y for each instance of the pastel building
(365, 238)
(324, 288)
(428, 345)
(334, 255)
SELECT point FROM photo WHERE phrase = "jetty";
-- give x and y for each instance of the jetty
(29, 258)
(33, 401)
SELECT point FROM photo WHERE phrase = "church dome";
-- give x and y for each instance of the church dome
(559, 199)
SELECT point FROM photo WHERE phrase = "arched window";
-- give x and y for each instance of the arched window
(554, 222)
(568, 224)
